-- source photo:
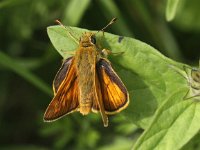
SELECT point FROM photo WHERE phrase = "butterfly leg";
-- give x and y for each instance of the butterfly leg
(106, 52)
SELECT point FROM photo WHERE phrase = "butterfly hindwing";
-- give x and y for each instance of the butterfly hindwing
(114, 93)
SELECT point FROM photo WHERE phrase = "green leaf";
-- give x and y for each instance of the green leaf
(153, 85)
(8, 3)
(110, 10)
(73, 14)
(146, 82)
(22, 147)
(187, 17)
(118, 143)
(174, 124)
(171, 9)
(193, 144)
(12, 65)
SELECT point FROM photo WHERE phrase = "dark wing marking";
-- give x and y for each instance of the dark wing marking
(61, 74)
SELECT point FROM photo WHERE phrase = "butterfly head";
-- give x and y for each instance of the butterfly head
(88, 39)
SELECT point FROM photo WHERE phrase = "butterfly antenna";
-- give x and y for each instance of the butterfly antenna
(68, 28)
(110, 23)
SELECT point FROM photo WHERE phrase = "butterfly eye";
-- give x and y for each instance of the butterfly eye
(93, 39)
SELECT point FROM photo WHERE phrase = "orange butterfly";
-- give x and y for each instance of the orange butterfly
(86, 82)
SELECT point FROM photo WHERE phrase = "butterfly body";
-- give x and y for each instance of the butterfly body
(85, 63)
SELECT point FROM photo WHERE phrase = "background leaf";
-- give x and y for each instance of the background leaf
(8, 63)
(171, 9)
(72, 14)
(187, 18)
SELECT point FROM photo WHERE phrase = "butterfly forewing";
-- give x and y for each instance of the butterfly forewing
(61, 74)
(66, 98)
(114, 93)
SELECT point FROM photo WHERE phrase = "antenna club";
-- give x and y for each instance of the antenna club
(58, 22)
(114, 19)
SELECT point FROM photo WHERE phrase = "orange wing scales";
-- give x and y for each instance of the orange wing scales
(66, 99)
(114, 93)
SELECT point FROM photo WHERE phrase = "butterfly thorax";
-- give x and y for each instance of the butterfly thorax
(85, 60)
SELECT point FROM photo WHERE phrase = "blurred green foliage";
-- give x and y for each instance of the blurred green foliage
(28, 63)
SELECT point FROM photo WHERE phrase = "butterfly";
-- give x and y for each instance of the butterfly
(86, 82)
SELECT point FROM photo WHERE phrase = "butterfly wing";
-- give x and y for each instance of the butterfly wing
(65, 100)
(61, 74)
(114, 93)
